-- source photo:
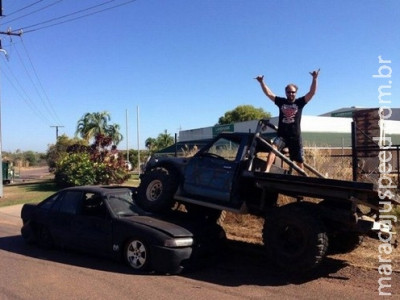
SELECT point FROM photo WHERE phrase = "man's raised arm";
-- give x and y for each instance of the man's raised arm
(313, 87)
(265, 88)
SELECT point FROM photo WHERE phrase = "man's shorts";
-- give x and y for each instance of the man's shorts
(295, 147)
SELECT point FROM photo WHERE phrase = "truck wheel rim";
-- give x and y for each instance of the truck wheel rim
(154, 190)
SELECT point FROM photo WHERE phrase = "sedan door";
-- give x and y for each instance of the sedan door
(94, 234)
(63, 216)
(93, 225)
(81, 221)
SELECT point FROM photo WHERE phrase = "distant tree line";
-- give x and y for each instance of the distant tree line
(240, 114)
(24, 158)
(92, 155)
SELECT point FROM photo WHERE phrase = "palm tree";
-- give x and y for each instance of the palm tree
(150, 143)
(92, 124)
(113, 132)
(164, 140)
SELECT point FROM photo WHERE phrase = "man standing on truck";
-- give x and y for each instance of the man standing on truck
(290, 110)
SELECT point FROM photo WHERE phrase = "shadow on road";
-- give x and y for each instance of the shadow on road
(241, 264)
(16, 244)
(247, 264)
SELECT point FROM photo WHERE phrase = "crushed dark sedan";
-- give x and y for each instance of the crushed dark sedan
(106, 221)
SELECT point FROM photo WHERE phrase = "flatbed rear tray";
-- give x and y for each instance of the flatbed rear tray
(322, 188)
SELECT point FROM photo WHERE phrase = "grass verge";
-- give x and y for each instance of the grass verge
(36, 191)
(27, 193)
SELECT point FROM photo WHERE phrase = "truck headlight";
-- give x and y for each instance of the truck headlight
(179, 242)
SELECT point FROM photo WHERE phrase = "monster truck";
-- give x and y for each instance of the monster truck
(228, 175)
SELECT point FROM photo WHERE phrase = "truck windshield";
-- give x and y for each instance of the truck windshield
(225, 148)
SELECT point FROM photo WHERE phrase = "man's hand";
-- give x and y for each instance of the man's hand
(259, 78)
(314, 74)
(265, 88)
(313, 87)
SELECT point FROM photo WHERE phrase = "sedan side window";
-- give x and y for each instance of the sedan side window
(93, 205)
(48, 203)
(71, 202)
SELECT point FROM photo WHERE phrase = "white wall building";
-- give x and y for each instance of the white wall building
(319, 131)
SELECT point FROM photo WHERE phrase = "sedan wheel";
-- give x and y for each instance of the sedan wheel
(137, 255)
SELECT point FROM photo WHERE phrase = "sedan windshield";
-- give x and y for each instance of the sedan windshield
(122, 204)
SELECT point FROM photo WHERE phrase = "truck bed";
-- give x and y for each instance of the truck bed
(322, 188)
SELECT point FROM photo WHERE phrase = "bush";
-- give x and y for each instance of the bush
(91, 165)
(75, 169)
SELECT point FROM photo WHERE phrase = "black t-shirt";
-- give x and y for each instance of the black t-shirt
(290, 117)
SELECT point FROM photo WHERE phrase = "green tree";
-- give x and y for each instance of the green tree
(113, 131)
(55, 152)
(150, 143)
(243, 113)
(162, 141)
(93, 124)
(133, 156)
(31, 157)
(26, 158)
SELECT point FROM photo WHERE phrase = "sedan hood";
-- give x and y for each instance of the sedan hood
(169, 228)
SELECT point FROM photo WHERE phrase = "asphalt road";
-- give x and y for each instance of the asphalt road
(29, 272)
(32, 173)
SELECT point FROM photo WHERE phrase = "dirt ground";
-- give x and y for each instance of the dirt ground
(248, 229)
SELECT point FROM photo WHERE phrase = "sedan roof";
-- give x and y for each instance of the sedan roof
(98, 189)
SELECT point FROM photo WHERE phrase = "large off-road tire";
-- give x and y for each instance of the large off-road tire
(295, 238)
(156, 190)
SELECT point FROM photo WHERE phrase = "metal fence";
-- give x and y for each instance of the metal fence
(372, 163)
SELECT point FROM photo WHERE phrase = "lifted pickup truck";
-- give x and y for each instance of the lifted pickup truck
(227, 175)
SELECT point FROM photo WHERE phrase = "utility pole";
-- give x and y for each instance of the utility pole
(138, 140)
(57, 126)
(127, 135)
(1, 142)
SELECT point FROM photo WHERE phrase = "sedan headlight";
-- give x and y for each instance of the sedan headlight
(179, 242)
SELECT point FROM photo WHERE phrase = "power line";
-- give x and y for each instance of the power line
(33, 83)
(25, 7)
(31, 13)
(24, 95)
(24, 29)
(51, 108)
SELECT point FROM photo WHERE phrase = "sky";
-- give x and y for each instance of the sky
(171, 65)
